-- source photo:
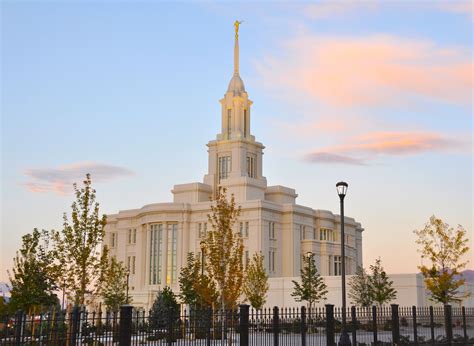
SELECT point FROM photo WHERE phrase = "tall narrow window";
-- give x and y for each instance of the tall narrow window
(271, 230)
(245, 123)
(172, 253)
(156, 242)
(247, 229)
(241, 229)
(337, 265)
(229, 123)
(113, 239)
(224, 167)
(130, 236)
(134, 236)
(247, 259)
(133, 265)
(271, 261)
(251, 166)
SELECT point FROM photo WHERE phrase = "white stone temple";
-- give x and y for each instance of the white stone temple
(153, 240)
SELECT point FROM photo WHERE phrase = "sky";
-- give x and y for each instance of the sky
(376, 93)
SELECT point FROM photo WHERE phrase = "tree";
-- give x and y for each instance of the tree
(32, 282)
(81, 262)
(360, 290)
(256, 282)
(444, 247)
(312, 288)
(223, 250)
(380, 285)
(114, 290)
(165, 309)
(188, 277)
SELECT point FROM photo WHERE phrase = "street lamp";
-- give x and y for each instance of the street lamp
(341, 191)
(202, 243)
(128, 277)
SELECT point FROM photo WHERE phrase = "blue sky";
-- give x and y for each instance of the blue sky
(377, 93)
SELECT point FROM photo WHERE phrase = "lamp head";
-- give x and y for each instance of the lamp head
(341, 189)
(309, 254)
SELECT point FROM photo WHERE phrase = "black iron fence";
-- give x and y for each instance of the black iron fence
(388, 325)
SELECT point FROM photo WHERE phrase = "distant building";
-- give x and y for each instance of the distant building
(153, 241)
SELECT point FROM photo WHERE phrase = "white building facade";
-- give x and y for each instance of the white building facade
(153, 241)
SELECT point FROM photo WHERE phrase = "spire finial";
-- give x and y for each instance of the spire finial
(236, 25)
(236, 47)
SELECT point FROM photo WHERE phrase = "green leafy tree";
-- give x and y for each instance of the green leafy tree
(188, 278)
(445, 248)
(360, 290)
(223, 250)
(312, 288)
(32, 282)
(114, 290)
(380, 285)
(81, 261)
(165, 309)
(256, 282)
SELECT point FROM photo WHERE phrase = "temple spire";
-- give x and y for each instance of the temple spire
(236, 85)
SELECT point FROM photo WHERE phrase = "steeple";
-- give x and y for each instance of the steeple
(236, 85)
(235, 158)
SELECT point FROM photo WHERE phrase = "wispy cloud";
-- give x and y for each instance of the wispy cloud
(361, 150)
(465, 7)
(330, 8)
(377, 70)
(60, 179)
(331, 158)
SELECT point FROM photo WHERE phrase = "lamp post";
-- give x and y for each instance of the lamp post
(341, 191)
(202, 243)
(309, 255)
(128, 277)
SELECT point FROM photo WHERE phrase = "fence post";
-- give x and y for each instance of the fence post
(244, 325)
(125, 325)
(208, 326)
(276, 326)
(374, 323)
(18, 327)
(448, 322)
(464, 326)
(75, 320)
(303, 326)
(395, 325)
(415, 327)
(330, 325)
(354, 325)
(432, 325)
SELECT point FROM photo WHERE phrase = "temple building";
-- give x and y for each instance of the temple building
(153, 240)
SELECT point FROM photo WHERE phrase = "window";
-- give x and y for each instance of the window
(251, 166)
(301, 232)
(113, 240)
(224, 167)
(132, 236)
(202, 229)
(245, 123)
(156, 242)
(247, 229)
(247, 259)
(271, 230)
(271, 261)
(241, 229)
(229, 123)
(171, 253)
(327, 234)
(337, 265)
(131, 264)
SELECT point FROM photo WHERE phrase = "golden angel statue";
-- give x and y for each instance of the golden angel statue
(236, 25)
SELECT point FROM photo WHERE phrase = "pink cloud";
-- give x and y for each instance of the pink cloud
(461, 6)
(328, 8)
(366, 147)
(60, 179)
(375, 70)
